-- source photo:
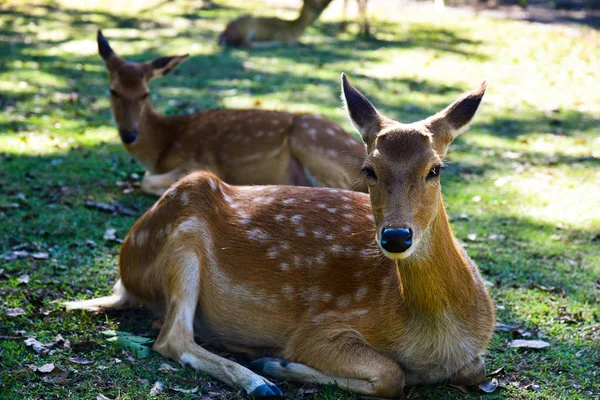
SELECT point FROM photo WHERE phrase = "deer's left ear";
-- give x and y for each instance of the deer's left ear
(163, 65)
(454, 119)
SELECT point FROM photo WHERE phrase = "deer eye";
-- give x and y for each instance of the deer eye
(113, 93)
(369, 173)
(434, 172)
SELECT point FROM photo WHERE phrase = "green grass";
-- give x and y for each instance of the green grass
(527, 170)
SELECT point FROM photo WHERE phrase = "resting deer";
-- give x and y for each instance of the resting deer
(371, 295)
(241, 147)
(248, 30)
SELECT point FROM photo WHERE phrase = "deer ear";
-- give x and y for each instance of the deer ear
(364, 116)
(455, 119)
(103, 47)
(163, 65)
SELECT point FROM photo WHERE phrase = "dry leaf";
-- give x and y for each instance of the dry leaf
(102, 397)
(167, 368)
(180, 390)
(23, 279)
(529, 344)
(489, 386)
(157, 389)
(110, 234)
(472, 237)
(79, 360)
(40, 255)
(57, 376)
(14, 312)
(46, 368)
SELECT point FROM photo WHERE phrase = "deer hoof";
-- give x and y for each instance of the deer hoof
(266, 391)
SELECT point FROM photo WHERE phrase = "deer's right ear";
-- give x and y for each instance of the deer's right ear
(363, 115)
(103, 47)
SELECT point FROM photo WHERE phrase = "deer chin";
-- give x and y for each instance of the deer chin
(398, 256)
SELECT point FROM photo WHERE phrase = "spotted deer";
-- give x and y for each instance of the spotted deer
(241, 147)
(371, 292)
(247, 30)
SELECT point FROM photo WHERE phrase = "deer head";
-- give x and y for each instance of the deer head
(129, 89)
(403, 166)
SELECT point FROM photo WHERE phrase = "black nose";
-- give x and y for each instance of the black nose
(396, 240)
(127, 137)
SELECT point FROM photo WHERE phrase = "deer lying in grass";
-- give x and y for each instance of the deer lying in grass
(372, 295)
(241, 147)
(248, 30)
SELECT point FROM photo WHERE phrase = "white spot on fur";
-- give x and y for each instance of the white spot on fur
(213, 185)
(289, 201)
(329, 236)
(296, 219)
(326, 297)
(346, 228)
(366, 253)
(336, 249)
(187, 226)
(185, 197)
(288, 291)
(347, 207)
(371, 218)
(331, 153)
(320, 259)
(313, 133)
(345, 198)
(141, 237)
(275, 122)
(318, 233)
(297, 261)
(330, 132)
(280, 218)
(284, 246)
(161, 234)
(332, 210)
(343, 301)
(361, 293)
(284, 266)
(258, 234)
(300, 232)
(348, 215)
(272, 253)
(321, 205)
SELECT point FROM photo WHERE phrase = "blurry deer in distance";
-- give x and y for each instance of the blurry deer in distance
(242, 147)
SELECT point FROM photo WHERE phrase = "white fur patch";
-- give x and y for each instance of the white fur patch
(258, 235)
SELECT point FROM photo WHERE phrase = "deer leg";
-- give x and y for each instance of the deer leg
(345, 360)
(176, 339)
(471, 374)
(157, 184)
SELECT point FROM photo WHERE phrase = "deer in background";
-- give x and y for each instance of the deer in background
(363, 18)
(371, 292)
(241, 147)
(248, 30)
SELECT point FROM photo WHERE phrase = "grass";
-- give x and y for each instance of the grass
(525, 176)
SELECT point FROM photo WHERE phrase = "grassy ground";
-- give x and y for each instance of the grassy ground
(522, 187)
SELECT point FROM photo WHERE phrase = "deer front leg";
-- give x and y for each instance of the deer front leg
(157, 184)
(344, 359)
(176, 339)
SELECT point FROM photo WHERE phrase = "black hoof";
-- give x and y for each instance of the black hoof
(266, 391)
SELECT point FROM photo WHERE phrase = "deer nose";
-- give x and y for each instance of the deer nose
(396, 240)
(127, 137)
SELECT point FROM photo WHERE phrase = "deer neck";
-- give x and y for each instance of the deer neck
(156, 134)
(439, 277)
(307, 16)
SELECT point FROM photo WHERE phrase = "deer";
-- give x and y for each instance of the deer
(248, 30)
(363, 18)
(371, 292)
(241, 147)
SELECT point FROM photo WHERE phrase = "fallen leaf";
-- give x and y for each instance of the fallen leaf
(489, 386)
(496, 372)
(157, 389)
(46, 368)
(472, 237)
(528, 344)
(114, 208)
(23, 279)
(110, 234)
(79, 360)
(167, 368)
(57, 377)
(13, 255)
(102, 397)
(40, 255)
(552, 289)
(84, 346)
(180, 390)
(496, 237)
(14, 312)
(42, 348)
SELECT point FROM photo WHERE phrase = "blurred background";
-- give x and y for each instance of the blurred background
(522, 186)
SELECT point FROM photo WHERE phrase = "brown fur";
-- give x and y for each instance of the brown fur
(299, 271)
(240, 146)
